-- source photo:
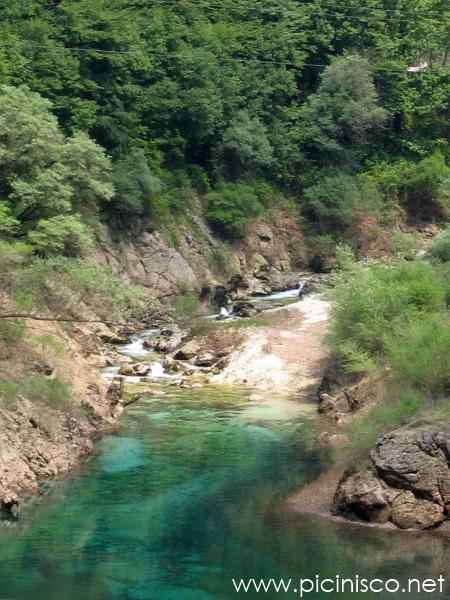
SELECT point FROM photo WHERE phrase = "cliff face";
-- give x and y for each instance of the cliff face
(47, 426)
(201, 261)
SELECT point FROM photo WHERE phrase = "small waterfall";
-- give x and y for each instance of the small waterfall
(224, 312)
(157, 370)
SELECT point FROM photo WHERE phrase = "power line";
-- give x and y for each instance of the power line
(171, 56)
(425, 16)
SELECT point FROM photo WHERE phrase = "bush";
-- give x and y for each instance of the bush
(64, 234)
(52, 392)
(421, 187)
(231, 207)
(375, 302)
(440, 248)
(333, 202)
(419, 353)
(8, 224)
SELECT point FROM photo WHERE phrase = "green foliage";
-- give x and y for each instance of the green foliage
(419, 353)
(440, 248)
(246, 144)
(419, 186)
(376, 302)
(135, 186)
(44, 177)
(219, 261)
(187, 305)
(53, 392)
(405, 245)
(11, 331)
(64, 234)
(340, 117)
(231, 207)
(60, 286)
(8, 392)
(345, 258)
(333, 202)
(235, 91)
(8, 224)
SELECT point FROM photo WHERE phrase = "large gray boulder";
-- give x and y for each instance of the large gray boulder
(415, 461)
(407, 481)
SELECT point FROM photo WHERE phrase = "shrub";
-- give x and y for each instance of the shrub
(419, 353)
(8, 224)
(246, 144)
(405, 245)
(372, 302)
(332, 202)
(52, 392)
(64, 234)
(440, 248)
(231, 207)
(8, 391)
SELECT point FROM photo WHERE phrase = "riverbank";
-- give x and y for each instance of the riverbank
(286, 357)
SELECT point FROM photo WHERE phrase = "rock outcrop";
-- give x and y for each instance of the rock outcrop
(407, 481)
(265, 260)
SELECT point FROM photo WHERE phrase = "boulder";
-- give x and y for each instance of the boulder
(364, 496)
(114, 338)
(205, 359)
(141, 370)
(331, 405)
(244, 310)
(189, 350)
(126, 370)
(115, 391)
(409, 512)
(415, 461)
(408, 482)
(43, 368)
(166, 342)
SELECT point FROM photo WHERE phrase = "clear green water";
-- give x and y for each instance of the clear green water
(184, 499)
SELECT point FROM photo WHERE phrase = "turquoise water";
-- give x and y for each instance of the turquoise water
(186, 498)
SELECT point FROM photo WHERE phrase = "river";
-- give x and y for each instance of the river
(188, 496)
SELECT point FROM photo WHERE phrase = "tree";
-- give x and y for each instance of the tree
(246, 144)
(135, 185)
(339, 119)
(44, 176)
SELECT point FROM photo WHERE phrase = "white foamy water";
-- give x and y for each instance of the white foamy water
(286, 295)
(135, 349)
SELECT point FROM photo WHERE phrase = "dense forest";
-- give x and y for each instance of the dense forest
(120, 111)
